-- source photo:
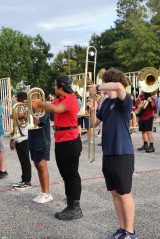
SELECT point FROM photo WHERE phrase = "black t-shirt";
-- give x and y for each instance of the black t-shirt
(115, 115)
(39, 139)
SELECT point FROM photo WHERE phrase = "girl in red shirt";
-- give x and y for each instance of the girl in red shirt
(146, 121)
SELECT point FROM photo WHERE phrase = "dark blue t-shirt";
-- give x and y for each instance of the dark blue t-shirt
(115, 115)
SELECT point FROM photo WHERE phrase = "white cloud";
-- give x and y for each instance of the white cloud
(69, 21)
(59, 22)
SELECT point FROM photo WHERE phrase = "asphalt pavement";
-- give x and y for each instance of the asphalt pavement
(20, 218)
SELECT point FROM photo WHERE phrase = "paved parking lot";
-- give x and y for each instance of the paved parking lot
(22, 219)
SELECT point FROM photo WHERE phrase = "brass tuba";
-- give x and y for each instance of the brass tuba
(28, 112)
(18, 108)
(34, 93)
(148, 79)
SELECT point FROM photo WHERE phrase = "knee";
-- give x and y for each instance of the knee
(120, 197)
(40, 167)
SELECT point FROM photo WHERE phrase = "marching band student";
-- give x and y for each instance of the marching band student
(39, 146)
(133, 121)
(3, 172)
(68, 144)
(118, 153)
(79, 116)
(21, 145)
(146, 121)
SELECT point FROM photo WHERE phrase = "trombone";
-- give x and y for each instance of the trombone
(91, 53)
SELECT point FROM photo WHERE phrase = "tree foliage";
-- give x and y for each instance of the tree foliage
(133, 43)
(60, 65)
(24, 58)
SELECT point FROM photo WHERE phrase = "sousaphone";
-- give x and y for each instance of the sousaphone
(148, 79)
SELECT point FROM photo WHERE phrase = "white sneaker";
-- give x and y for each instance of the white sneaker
(43, 198)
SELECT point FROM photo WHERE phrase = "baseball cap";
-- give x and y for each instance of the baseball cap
(65, 82)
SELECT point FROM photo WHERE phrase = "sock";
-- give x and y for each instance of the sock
(151, 144)
(145, 143)
(130, 232)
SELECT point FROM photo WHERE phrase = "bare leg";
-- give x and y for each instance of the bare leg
(43, 175)
(119, 210)
(150, 136)
(2, 162)
(144, 136)
(125, 209)
(134, 120)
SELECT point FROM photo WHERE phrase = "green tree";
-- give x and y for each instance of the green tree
(154, 11)
(24, 58)
(105, 51)
(40, 55)
(77, 61)
(137, 45)
(14, 55)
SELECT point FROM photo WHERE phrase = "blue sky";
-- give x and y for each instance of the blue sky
(60, 22)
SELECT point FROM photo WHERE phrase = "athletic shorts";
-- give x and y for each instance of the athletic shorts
(37, 156)
(79, 121)
(146, 125)
(118, 171)
(1, 143)
(86, 123)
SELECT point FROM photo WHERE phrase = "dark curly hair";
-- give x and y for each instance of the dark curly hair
(115, 75)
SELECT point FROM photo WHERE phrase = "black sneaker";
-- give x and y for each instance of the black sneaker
(127, 235)
(69, 214)
(17, 184)
(3, 174)
(150, 149)
(117, 234)
(144, 147)
(23, 186)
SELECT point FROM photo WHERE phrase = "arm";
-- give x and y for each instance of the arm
(111, 86)
(94, 121)
(152, 102)
(48, 107)
(97, 122)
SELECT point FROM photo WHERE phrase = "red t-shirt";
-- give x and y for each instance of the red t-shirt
(66, 119)
(150, 109)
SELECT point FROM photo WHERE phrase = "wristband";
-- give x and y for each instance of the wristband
(97, 88)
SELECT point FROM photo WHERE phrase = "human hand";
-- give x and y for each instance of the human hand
(36, 121)
(92, 90)
(36, 103)
(149, 99)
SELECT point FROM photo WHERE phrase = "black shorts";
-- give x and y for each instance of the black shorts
(86, 123)
(146, 125)
(118, 171)
(79, 121)
(37, 156)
